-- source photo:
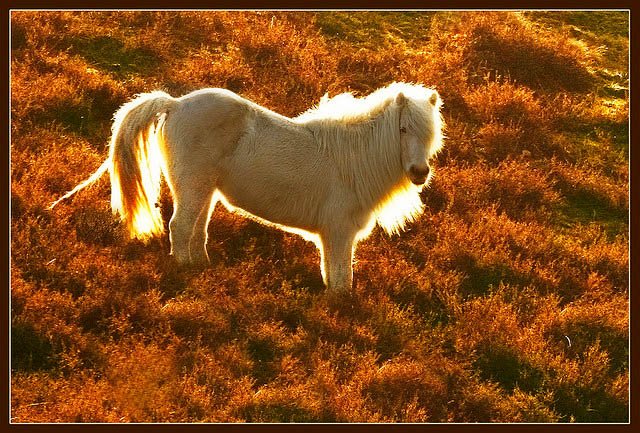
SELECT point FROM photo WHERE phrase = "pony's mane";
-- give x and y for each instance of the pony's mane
(362, 135)
(348, 109)
(346, 114)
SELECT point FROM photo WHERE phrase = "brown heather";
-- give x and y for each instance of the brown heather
(507, 301)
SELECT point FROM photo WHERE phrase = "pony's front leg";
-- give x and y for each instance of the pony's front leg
(337, 259)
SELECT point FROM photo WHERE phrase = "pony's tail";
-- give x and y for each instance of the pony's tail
(92, 179)
(137, 162)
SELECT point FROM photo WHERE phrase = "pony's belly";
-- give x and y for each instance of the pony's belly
(276, 183)
(274, 204)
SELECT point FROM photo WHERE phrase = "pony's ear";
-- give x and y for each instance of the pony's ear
(401, 102)
(434, 98)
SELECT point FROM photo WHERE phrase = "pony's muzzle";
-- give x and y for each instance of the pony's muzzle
(418, 174)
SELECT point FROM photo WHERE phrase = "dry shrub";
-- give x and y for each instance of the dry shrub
(606, 257)
(70, 93)
(482, 402)
(518, 357)
(265, 346)
(580, 390)
(522, 190)
(405, 390)
(468, 49)
(46, 334)
(597, 317)
(505, 102)
(478, 253)
(329, 326)
(407, 286)
(46, 399)
(120, 315)
(443, 63)
(366, 70)
(586, 184)
(507, 45)
(45, 175)
(458, 190)
(485, 402)
(461, 318)
(602, 119)
(394, 326)
(292, 403)
(496, 141)
(97, 226)
(491, 248)
(464, 149)
(191, 318)
(531, 408)
(487, 320)
(512, 122)
(39, 29)
(339, 375)
(385, 272)
(213, 383)
(293, 55)
(144, 381)
(206, 69)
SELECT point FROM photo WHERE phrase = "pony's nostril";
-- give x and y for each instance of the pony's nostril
(419, 171)
(418, 174)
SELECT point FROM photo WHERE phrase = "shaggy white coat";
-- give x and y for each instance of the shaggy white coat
(329, 174)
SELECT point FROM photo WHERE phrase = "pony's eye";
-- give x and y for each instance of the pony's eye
(403, 130)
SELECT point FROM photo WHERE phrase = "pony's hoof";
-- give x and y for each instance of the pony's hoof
(180, 257)
(187, 264)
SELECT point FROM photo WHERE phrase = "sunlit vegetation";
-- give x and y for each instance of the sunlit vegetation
(507, 301)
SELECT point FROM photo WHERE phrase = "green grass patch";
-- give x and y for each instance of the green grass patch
(613, 23)
(583, 207)
(599, 29)
(112, 55)
(373, 29)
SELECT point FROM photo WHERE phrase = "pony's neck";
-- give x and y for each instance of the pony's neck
(375, 174)
(367, 155)
(374, 181)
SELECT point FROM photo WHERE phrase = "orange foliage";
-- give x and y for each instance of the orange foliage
(507, 301)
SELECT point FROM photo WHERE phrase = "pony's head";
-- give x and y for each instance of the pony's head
(420, 131)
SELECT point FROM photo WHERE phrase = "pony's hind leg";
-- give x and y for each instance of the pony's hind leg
(198, 244)
(188, 223)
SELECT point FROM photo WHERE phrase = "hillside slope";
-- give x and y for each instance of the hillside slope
(507, 301)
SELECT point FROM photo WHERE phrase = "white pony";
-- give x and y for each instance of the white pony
(329, 174)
